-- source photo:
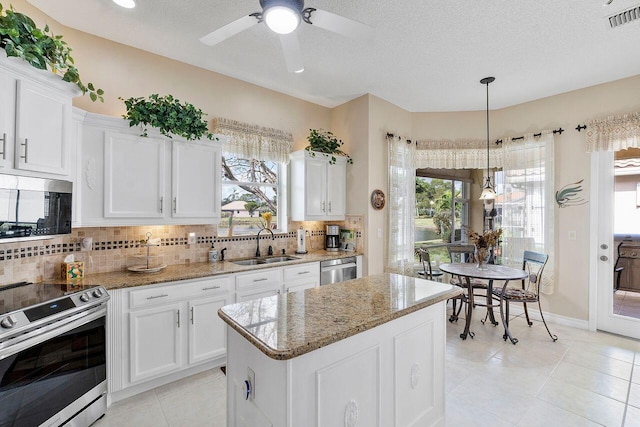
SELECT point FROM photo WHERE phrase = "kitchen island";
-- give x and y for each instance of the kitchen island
(366, 352)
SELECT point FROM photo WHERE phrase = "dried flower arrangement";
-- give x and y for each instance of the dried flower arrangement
(486, 240)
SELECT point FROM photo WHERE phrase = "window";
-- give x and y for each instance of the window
(250, 188)
(442, 211)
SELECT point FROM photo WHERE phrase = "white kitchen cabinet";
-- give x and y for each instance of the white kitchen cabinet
(301, 277)
(259, 284)
(134, 170)
(195, 169)
(35, 119)
(206, 330)
(126, 179)
(318, 188)
(156, 341)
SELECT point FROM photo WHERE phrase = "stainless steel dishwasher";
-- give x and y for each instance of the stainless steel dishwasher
(338, 270)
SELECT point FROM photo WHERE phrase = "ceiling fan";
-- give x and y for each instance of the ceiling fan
(284, 17)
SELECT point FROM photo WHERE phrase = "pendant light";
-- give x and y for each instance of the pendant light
(488, 192)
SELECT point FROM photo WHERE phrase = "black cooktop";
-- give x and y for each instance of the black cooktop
(21, 295)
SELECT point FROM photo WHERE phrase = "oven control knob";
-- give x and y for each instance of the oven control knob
(8, 322)
(97, 293)
(84, 297)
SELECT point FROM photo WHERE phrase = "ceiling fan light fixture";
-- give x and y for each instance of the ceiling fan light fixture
(281, 19)
(127, 4)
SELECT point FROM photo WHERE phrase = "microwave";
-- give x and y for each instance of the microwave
(34, 208)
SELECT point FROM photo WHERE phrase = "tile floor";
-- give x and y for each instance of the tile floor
(583, 379)
(626, 303)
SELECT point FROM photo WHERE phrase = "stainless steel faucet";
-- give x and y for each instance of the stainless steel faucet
(258, 240)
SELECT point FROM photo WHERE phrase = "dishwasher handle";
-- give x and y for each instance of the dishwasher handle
(338, 267)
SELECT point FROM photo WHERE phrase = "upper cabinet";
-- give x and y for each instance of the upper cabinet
(35, 119)
(126, 179)
(317, 187)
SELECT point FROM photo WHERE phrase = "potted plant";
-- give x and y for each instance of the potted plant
(168, 115)
(325, 142)
(42, 49)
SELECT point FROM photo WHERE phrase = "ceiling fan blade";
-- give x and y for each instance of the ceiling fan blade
(292, 52)
(340, 24)
(229, 30)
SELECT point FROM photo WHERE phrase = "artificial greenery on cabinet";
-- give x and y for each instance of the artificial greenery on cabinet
(325, 142)
(167, 114)
(21, 38)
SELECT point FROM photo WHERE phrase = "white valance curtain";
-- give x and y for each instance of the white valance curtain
(402, 202)
(613, 133)
(528, 201)
(457, 154)
(254, 142)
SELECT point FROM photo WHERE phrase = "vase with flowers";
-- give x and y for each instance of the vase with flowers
(483, 244)
(266, 219)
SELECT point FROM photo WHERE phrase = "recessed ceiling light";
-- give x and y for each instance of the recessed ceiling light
(128, 4)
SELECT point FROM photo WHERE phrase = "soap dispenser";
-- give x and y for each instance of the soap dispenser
(213, 254)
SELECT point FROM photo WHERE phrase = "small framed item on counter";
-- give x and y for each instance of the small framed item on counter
(347, 240)
(72, 270)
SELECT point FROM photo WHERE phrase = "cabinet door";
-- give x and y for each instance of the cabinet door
(207, 332)
(7, 119)
(336, 190)
(315, 189)
(42, 122)
(195, 180)
(155, 342)
(257, 294)
(134, 169)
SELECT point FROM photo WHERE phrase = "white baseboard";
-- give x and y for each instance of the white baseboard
(517, 310)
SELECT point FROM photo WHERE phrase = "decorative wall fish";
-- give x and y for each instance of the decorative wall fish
(569, 195)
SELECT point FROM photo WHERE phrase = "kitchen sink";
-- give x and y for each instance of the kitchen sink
(278, 259)
(269, 260)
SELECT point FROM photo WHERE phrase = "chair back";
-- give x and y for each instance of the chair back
(533, 263)
(425, 259)
(462, 253)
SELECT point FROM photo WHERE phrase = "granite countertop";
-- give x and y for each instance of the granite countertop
(172, 273)
(289, 325)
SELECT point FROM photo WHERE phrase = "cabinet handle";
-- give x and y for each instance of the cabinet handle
(304, 272)
(286, 290)
(175, 204)
(323, 210)
(158, 296)
(192, 315)
(210, 288)
(260, 280)
(178, 318)
(329, 207)
(4, 146)
(25, 144)
(278, 292)
(161, 204)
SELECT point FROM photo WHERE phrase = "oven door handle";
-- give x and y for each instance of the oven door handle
(49, 331)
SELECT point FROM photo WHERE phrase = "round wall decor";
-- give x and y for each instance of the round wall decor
(377, 199)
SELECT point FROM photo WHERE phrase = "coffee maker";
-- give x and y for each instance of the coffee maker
(332, 238)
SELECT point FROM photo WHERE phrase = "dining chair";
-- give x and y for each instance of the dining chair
(465, 253)
(528, 292)
(427, 271)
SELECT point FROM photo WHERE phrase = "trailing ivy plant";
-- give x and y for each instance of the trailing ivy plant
(167, 114)
(42, 49)
(325, 142)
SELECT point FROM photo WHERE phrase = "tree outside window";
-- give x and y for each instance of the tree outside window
(250, 187)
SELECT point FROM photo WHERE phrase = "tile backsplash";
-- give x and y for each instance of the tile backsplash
(116, 248)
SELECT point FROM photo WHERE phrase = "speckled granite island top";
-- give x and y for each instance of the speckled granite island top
(177, 272)
(290, 325)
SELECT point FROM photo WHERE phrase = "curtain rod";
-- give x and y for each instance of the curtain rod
(559, 130)
(392, 136)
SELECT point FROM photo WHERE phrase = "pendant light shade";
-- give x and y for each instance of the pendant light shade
(488, 192)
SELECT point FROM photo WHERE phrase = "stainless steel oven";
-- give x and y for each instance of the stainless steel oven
(52, 355)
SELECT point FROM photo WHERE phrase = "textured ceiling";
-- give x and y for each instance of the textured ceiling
(425, 55)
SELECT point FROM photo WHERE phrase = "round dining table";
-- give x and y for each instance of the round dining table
(488, 272)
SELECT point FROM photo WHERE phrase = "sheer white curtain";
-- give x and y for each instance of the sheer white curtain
(402, 181)
(613, 133)
(528, 201)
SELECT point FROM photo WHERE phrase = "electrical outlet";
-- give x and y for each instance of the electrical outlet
(191, 238)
